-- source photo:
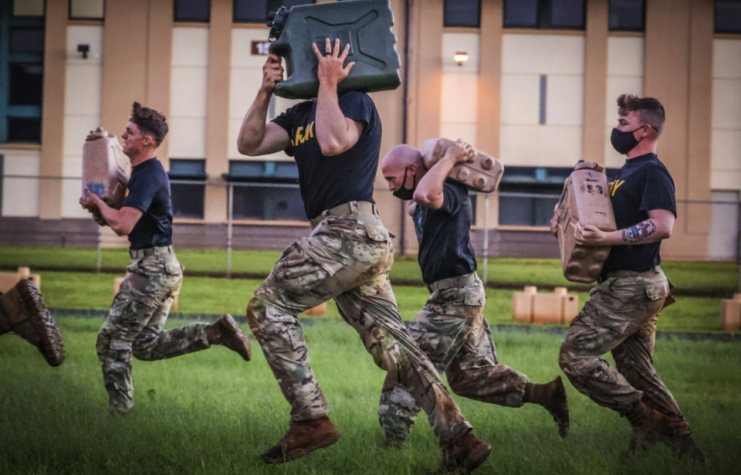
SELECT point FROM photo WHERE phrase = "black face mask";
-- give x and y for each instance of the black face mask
(624, 142)
(406, 193)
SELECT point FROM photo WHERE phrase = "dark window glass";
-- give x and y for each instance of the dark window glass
(25, 84)
(187, 200)
(256, 11)
(193, 10)
(22, 129)
(521, 13)
(567, 14)
(268, 203)
(27, 40)
(529, 210)
(464, 13)
(627, 15)
(2, 173)
(544, 14)
(727, 16)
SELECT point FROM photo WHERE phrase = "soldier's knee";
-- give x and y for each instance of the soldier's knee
(141, 349)
(103, 344)
(566, 359)
(256, 310)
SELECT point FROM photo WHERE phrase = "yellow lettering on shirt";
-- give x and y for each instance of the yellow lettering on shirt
(302, 134)
(614, 185)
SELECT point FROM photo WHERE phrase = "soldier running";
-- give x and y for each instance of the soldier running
(335, 141)
(622, 311)
(451, 328)
(141, 306)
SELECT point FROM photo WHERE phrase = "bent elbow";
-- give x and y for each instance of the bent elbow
(245, 149)
(120, 230)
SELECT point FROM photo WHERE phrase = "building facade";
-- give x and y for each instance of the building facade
(533, 82)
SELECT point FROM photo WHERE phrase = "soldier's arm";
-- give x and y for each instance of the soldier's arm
(429, 191)
(256, 136)
(121, 221)
(334, 131)
(658, 226)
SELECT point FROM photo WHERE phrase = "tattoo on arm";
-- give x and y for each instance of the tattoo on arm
(639, 232)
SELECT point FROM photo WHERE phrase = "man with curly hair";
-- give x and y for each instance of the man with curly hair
(140, 308)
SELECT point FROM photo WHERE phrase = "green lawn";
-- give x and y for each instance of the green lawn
(699, 276)
(211, 413)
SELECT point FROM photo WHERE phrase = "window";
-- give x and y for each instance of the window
(527, 195)
(21, 70)
(265, 190)
(86, 9)
(627, 15)
(256, 11)
(193, 10)
(187, 198)
(462, 13)
(727, 16)
(545, 14)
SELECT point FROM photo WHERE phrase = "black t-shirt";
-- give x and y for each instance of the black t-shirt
(326, 182)
(444, 235)
(149, 192)
(642, 185)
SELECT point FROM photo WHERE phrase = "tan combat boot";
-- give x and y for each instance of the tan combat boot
(651, 426)
(465, 454)
(226, 332)
(552, 396)
(302, 438)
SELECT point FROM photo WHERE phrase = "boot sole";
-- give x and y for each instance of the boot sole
(325, 441)
(245, 351)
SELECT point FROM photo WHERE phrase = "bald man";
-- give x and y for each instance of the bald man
(451, 327)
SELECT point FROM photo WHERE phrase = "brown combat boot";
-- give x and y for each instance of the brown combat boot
(552, 396)
(651, 426)
(465, 454)
(302, 438)
(226, 332)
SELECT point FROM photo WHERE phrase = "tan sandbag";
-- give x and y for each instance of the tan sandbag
(105, 168)
(522, 304)
(481, 173)
(22, 311)
(730, 315)
(586, 200)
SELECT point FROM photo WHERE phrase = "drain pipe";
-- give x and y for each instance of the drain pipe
(405, 118)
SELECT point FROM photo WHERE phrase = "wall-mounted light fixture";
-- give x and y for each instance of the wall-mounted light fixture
(461, 57)
(83, 49)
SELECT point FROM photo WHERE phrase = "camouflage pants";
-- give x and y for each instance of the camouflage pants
(134, 325)
(620, 316)
(452, 331)
(346, 258)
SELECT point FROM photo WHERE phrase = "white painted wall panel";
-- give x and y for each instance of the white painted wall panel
(21, 195)
(625, 56)
(542, 54)
(190, 88)
(565, 100)
(459, 98)
(725, 161)
(190, 46)
(538, 146)
(520, 99)
(727, 58)
(617, 85)
(187, 137)
(465, 132)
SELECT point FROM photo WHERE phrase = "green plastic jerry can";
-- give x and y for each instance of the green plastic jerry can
(364, 24)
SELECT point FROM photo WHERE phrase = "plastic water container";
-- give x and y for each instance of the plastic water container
(364, 24)
(105, 168)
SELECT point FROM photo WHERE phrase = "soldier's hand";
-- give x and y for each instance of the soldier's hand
(332, 69)
(272, 73)
(588, 235)
(90, 201)
(459, 152)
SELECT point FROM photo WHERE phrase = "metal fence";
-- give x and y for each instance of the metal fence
(713, 224)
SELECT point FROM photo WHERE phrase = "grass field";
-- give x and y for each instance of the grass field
(211, 413)
(698, 276)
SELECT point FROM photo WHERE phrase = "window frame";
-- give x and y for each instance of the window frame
(188, 179)
(84, 18)
(7, 111)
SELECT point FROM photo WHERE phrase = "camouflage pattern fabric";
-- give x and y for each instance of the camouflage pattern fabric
(620, 316)
(135, 322)
(452, 331)
(346, 258)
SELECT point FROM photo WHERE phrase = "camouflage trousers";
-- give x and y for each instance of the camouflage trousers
(452, 331)
(620, 316)
(346, 258)
(135, 322)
